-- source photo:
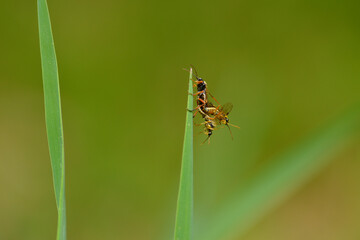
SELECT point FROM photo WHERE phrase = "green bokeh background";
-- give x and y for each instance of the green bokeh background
(287, 66)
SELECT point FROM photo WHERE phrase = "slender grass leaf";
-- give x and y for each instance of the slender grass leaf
(184, 211)
(53, 113)
(281, 178)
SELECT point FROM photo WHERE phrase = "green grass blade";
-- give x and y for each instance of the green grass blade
(184, 211)
(284, 176)
(53, 113)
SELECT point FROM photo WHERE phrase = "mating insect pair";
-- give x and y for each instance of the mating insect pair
(213, 116)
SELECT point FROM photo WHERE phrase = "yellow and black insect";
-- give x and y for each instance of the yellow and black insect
(220, 114)
(209, 127)
(201, 94)
(212, 115)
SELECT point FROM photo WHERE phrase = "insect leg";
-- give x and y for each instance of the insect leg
(198, 93)
(213, 97)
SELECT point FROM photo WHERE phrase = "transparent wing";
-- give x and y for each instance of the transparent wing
(226, 108)
(217, 121)
(210, 104)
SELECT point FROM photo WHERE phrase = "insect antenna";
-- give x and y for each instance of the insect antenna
(234, 125)
(185, 69)
(232, 137)
(195, 72)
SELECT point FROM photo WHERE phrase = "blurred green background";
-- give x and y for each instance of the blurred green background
(289, 67)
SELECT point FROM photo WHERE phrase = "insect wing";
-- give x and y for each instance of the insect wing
(209, 104)
(226, 108)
